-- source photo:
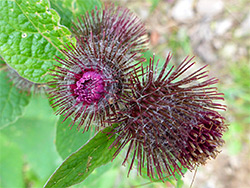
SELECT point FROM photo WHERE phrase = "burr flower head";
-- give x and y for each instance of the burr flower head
(170, 122)
(87, 85)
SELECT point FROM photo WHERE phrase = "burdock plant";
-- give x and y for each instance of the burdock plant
(167, 118)
(170, 121)
(164, 119)
(96, 70)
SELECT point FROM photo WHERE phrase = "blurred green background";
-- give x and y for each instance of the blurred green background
(217, 32)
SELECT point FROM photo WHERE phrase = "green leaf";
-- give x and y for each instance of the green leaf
(68, 141)
(34, 134)
(30, 37)
(12, 101)
(80, 164)
(11, 164)
(69, 10)
(100, 177)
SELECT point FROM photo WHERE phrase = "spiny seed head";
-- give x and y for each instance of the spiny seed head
(170, 121)
(94, 73)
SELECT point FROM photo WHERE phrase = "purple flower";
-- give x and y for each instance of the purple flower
(89, 88)
(88, 84)
(170, 121)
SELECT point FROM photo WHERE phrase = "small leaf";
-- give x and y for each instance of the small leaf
(11, 164)
(69, 10)
(80, 164)
(12, 101)
(100, 177)
(30, 37)
(68, 141)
